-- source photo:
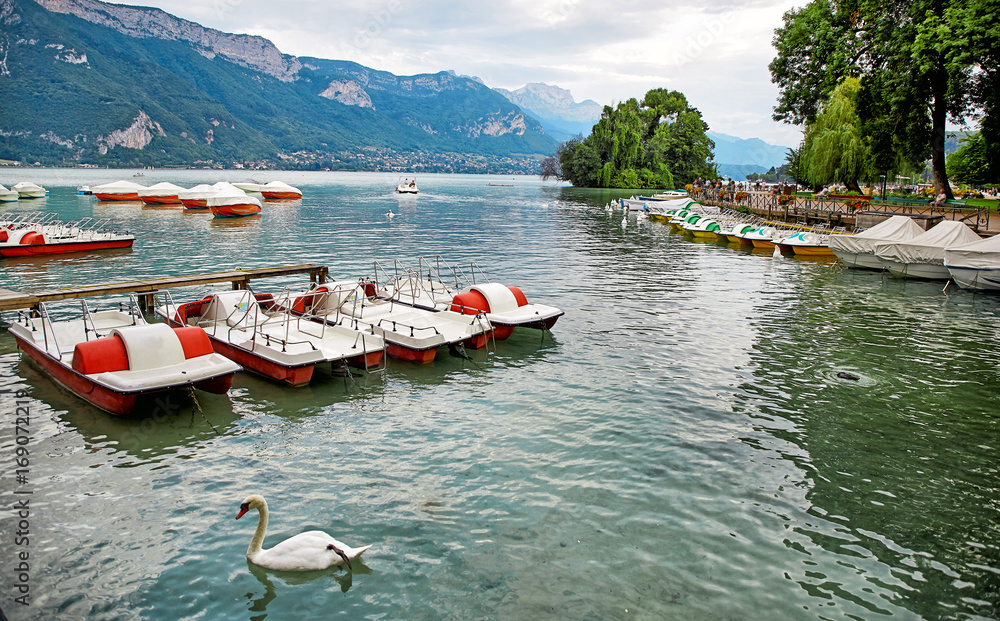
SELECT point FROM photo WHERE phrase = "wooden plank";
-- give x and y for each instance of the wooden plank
(239, 279)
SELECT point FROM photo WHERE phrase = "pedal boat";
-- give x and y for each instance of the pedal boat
(266, 338)
(437, 286)
(410, 333)
(114, 359)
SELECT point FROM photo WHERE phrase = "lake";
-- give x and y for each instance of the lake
(679, 446)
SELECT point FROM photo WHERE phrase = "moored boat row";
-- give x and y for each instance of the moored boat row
(113, 358)
(948, 251)
(224, 200)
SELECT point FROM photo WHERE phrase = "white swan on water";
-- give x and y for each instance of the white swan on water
(304, 552)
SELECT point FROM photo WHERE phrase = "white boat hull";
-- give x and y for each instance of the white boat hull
(977, 279)
(924, 271)
(860, 260)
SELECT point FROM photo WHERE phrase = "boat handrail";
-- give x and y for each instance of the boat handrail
(133, 312)
(44, 314)
(413, 328)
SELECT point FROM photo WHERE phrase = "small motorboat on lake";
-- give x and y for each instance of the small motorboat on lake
(923, 256)
(975, 266)
(164, 193)
(197, 197)
(279, 190)
(113, 358)
(264, 336)
(232, 202)
(858, 250)
(27, 189)
(8, 195)
(407, 186)
(117, 191)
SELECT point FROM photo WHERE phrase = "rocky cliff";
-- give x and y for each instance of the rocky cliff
(250, 51)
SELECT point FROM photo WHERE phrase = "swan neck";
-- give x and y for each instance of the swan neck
(258, 536)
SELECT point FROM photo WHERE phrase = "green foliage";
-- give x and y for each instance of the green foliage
(658, 143)
(834, 149)
(920, 62)
(971, 164)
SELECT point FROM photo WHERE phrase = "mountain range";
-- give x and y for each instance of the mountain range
(94, 83)
(91, 82)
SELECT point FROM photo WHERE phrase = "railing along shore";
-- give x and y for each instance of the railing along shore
(840, 211)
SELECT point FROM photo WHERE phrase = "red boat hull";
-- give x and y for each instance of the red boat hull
(121, 404)
(293, 376)
(31, 250)
(235, 211)
(195, 203)
(161, 200)
(404, 353)
(126, 196)
(280, 194)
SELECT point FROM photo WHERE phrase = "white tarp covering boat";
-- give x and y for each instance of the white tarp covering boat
(923, 256)
(117, 191)
(859, 250)
(164, 192)
(975, 265)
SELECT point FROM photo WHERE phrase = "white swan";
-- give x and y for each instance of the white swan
(304, 552)
(389, 214)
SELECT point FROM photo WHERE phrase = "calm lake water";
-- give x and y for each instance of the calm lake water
(680, 446)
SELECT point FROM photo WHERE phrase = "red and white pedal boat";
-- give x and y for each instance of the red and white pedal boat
(266, 338)
(438, 286)
(26, 238)
(114, 359)
(410, 333)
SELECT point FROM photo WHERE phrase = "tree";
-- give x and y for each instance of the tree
(834, 148)
(657, 143)
(920, 63)
(971, 163)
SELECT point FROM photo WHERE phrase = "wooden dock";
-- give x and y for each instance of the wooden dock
(240, 279)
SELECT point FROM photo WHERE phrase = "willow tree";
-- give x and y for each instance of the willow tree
(921, 64)
(835, 149)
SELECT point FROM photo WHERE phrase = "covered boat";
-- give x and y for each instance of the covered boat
(923, 256)
(7, 195)
(117, 191)
(250, 185)
(113, 358)
(976, 265)
(197, 197)
(164, 193)
(27, 189)
(265, 337)
(859, 250)
(232, 202)
(280, 189)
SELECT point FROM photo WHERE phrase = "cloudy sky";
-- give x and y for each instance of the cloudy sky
(716, 52)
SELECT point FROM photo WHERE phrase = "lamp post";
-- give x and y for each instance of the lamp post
(882, 195)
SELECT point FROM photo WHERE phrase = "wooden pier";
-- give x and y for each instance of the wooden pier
(240, 279)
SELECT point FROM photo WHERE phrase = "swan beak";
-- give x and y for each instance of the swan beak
(243, 509)
(341, 554)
